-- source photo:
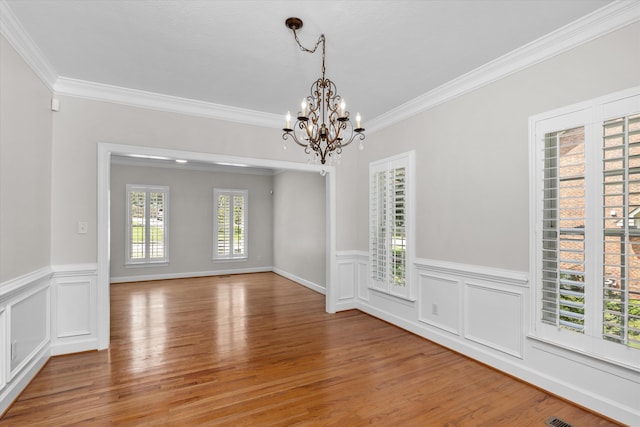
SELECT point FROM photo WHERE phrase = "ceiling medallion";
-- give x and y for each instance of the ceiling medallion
(323, 126)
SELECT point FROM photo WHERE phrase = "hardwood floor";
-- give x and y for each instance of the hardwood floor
(259, 350)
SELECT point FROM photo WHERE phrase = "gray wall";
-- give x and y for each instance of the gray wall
(299, 225)
(191, 216)
(472, 153)
(25, 167)
(81, 124)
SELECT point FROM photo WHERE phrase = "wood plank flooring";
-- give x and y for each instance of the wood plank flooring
(259, 350)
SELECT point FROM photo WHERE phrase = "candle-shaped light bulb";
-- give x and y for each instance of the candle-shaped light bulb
(358, 120)
(343, 107)
(288, 120)
(303, 107)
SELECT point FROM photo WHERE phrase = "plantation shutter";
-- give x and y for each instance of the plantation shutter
(147, 219)
(238, 224)
(621, 230)
(398, 226)
(156, 225)
(563, 229)
(388, 225)
(137, 225)
(224, 224)
(230, 229)
(378, 228)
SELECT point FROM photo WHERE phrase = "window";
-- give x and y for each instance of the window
(390, 224)
(586, 183)
(147, 224)
(230, 227)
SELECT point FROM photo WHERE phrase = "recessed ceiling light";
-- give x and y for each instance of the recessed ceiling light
(181, 161)
(145, 156)
(240, 165)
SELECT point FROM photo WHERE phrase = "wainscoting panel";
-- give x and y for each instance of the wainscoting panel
(29, 328)
(3, 348)
(439, 302)
(352, 282)
(73, 302)
(494, 317)
(74, 307)
(361, 279)
(25, 325)
(346, 282)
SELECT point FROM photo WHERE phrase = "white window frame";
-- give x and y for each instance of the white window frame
(231, 193)
(386, 286)
(591, 115)
(147, 261)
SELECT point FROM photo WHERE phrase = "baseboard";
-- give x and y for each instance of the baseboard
(76, 346)
(304, 282)
(26, 375)
(186, 275)
(343, 306)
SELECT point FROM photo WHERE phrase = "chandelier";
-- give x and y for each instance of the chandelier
(323, 126)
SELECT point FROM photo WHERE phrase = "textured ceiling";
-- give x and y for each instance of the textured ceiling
(380, 54)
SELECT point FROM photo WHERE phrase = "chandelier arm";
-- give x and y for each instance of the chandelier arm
(292, 134)
(353, 136)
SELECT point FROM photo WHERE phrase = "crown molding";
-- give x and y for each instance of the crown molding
(156, 101)
(607, 19)
(17, 37)
(616, 15)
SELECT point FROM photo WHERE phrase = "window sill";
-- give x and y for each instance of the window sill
(393, 297)
(147, 264)
(230, 259)
(580, 356)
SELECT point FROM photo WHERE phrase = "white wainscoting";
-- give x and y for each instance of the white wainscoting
(74, 308)
(484, 313)
(439, 302)
(25, 325)
(494, 317)
(352, 283)
(28, 327)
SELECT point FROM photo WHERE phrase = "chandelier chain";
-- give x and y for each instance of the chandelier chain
(321, 39)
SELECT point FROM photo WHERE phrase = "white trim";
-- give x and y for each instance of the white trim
(69, 270)
(12, 286)
(185, 275)
(157, 101)
(299, 280)
(614, 16)
(352, 254)
(611, 17)
(75, 345)
(489, 274)
(331, 266)
(104, 255)
(20, 382)
(17, 36)
(106, 150)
